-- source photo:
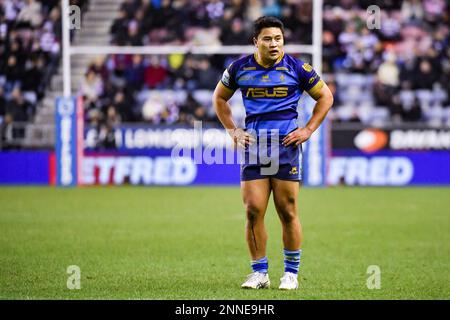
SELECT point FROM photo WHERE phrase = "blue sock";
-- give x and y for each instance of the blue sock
(260, 265)
(292, 260)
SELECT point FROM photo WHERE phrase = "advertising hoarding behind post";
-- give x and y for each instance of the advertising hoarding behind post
(143, 156)
(401, 156)
(154, 166)
(69, 141)
(317, 150)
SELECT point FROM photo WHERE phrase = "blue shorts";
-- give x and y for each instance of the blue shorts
(288, 167)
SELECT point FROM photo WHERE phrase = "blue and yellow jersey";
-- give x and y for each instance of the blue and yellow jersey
(271, 94)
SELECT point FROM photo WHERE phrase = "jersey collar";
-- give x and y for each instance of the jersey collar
(276, 62)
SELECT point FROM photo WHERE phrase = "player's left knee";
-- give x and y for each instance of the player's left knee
(287, 208)
(288, 216)
(290, 200)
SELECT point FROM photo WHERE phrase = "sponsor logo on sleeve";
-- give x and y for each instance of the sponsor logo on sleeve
(226, 78)
(307, 67)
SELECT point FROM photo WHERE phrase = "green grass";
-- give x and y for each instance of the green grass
(188, 243)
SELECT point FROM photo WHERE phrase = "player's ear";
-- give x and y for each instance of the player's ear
(255, 41)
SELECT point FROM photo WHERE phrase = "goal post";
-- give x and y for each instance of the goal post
(316, 150)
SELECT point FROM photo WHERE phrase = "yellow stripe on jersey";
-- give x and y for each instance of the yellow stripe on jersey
(314, 91)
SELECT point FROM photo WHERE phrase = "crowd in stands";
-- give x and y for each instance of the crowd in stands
(30, 44)
(124, 83)
(229, 22)
(396, 73)
(402, 69)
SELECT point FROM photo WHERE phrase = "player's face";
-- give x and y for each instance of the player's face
(270, 44)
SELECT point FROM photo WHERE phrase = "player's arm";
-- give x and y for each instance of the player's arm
(223, 110)
(324, 100)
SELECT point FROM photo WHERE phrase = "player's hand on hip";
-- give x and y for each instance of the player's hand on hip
(297, 136)
(241, 137)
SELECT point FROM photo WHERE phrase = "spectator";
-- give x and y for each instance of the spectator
(254, 10)
(130, 7)
(412, 10)
(119, 28)
(134, 75)
(112, 117)
(2, 105)
(155, 74)
(412, 113)
(408, 73)
(348, 38)
(134, 37)
(303, 14)
(54, 20)
(388, 72)
(424, 78)
(7, 133)
(187, 110)
(99, 68)
(390, 28)
(206, 76)
(185, 76)
(153, 108)
(272, 8)
(13, 73)
(236, 35)
(434, 10)
(92, 86)
(18, 107)
(91, 90)
(32, 81)
(107, 137)
(31, 13)
(215, 10)
(124, 106)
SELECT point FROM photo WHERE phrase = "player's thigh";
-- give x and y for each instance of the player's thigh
(255, 194)
(285, 197)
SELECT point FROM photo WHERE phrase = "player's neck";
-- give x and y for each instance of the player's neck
(267, 63)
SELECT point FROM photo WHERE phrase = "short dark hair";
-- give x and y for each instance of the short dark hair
(266, 22)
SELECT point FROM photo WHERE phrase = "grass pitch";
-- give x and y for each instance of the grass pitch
(188, 243)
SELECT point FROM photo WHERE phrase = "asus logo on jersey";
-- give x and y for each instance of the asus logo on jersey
(277, 92)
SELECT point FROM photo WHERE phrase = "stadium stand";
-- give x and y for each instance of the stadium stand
(397, 74)
(30, 45)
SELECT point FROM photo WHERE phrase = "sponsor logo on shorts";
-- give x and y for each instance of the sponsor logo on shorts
(293, 170)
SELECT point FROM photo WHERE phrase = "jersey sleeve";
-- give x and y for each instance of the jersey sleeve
(309, 80)
(229, 77)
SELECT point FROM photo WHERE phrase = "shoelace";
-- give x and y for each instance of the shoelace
(253, 275)
(288, 277)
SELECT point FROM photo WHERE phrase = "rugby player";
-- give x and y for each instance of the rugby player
(271, 83)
